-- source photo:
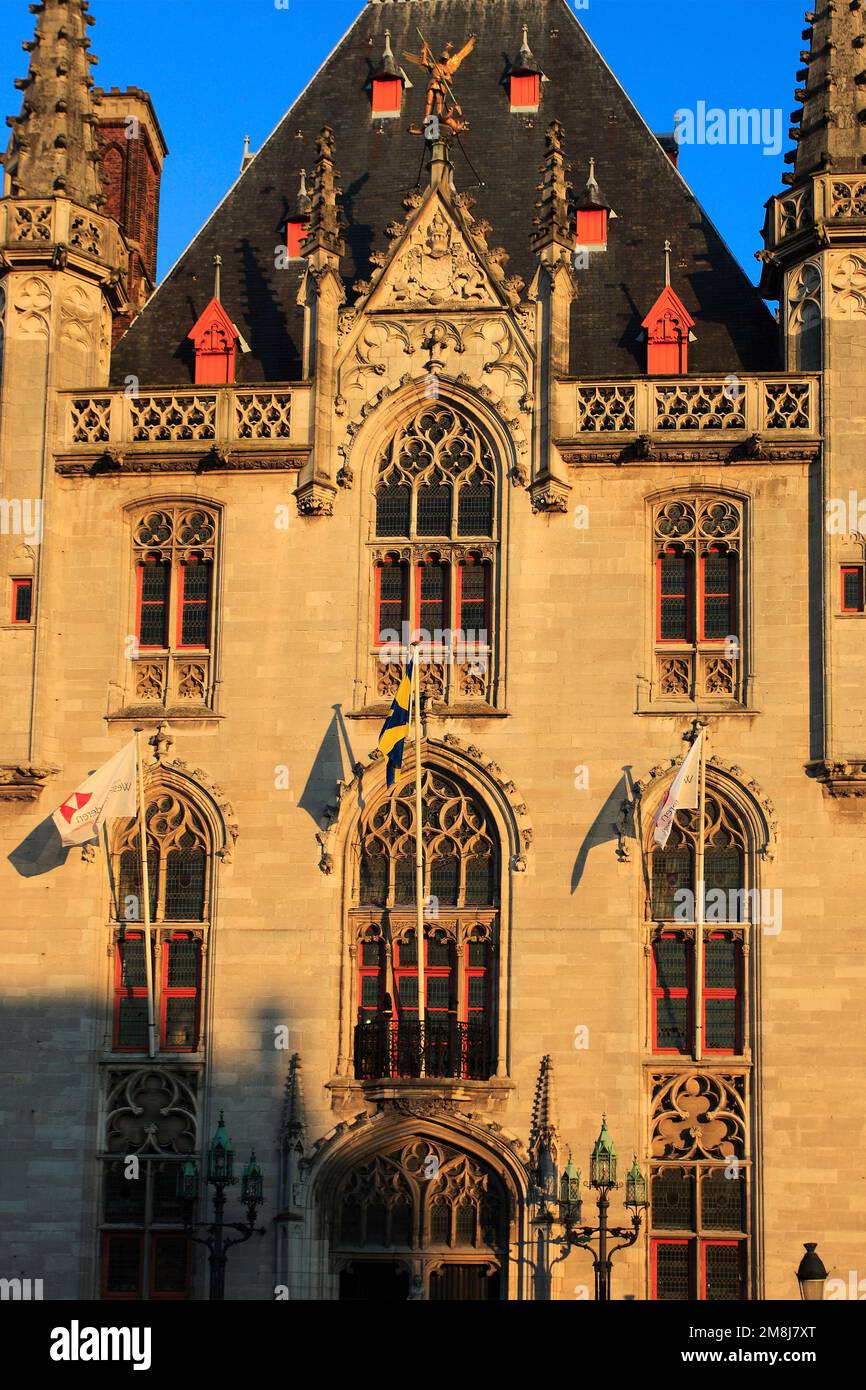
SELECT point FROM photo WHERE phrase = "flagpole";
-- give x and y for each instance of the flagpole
(145, 883)
(700, 906)
(419, 847)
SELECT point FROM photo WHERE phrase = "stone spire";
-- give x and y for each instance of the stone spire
(554, 221)
(830, 122)
(54, 148)
(326, 215)
(543, 1136)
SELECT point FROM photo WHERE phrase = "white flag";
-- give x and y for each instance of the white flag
(682, 793)
(110, 791)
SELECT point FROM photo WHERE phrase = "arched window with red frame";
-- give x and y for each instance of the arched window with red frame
(699, 600)
(178, 860)
(435, 488)
(461, 918)
(392, 600)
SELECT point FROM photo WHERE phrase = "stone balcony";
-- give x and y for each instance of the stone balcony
(56, 232)
(834, 202)
(202, 429)
(757, 419)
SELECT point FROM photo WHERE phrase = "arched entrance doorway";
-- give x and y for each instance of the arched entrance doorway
(421, 1219)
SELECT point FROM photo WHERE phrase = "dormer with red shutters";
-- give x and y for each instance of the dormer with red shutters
(296, 225)
(594, 213)
(386, 85)
(525, 79)
(668, 328)
(215, 339)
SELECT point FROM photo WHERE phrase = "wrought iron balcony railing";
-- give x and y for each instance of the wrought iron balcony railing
(386, 1047)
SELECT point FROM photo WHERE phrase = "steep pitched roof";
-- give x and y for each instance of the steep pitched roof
(379, 162)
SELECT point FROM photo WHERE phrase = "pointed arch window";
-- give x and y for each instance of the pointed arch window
(177, 865)
(424, 1197)
(699, 600)
(461, 862)
(728, 907)
(435, 491)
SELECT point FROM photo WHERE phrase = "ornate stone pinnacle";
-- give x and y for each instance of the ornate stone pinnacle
(54, 148)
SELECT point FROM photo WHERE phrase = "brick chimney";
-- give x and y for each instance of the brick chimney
(132, 149)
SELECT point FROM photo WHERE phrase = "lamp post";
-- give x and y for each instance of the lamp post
(811, 1275)
(220, 1174)
(602, 1180)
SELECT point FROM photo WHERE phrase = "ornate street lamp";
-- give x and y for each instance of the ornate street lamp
(220, 1174)
(811, 1275)
(602, 1180)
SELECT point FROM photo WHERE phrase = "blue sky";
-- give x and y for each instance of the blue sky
(219, 69)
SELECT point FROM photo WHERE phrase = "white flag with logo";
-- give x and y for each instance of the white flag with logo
(682, 793)
(110, 791)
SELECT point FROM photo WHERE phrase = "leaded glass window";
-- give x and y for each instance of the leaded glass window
(177, 863)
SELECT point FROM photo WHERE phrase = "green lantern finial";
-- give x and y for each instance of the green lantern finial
(221, 1156)
(602, 1162)
(635, 1187)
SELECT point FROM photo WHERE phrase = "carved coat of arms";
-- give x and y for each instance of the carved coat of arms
(438, 269)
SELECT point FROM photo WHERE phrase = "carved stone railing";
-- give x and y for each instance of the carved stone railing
(738, 405)
(452, 674)
(122, 426)
(167, 682)
(833, 199)
(692, 675)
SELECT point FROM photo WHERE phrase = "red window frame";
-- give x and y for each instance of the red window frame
(183, 603)
(439, 972)
(179, 992)
(484, 566)
(390, 563)
(660, 993)
(845, 570)
(110, 1296)
(731, 596)
(429, 563)
(122, 991)
(22, 586)
(672, 554)
(387, 96)
(592, 226)
(524, 91)
(478, 972)
(705, 1245)
(104, 1291)
(430, 972)
(370, 972)
(655, 1243)
(296, 231)
(140, 603)
(736, 993)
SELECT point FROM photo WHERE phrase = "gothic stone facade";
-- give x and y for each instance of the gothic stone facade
(386, 427)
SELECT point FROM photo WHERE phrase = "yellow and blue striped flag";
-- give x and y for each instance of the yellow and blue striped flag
(393, 734)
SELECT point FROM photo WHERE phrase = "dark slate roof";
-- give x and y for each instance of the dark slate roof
(379, 161)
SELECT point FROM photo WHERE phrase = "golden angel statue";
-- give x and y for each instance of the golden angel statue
(442, 105)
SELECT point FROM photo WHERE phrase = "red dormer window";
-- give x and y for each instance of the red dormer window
(525, 91)
(387, 96)
(215, 340)
(296, 230)
(668, 325)
(592, 226)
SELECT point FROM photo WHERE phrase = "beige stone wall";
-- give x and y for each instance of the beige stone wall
(578, 605)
